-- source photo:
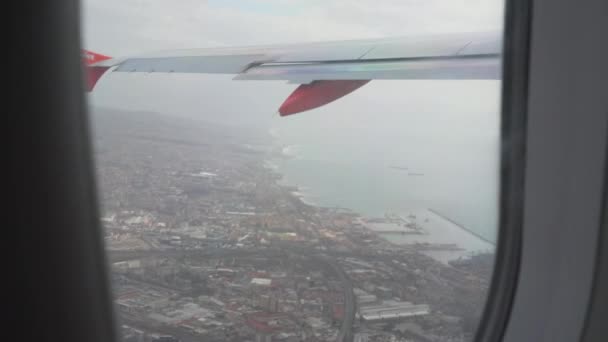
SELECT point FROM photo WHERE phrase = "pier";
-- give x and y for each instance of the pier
(462, 227)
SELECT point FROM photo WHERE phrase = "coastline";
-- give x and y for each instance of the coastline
(431, 239)
(439, 237)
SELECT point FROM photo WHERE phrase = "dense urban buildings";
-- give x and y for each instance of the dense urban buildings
(205, 244)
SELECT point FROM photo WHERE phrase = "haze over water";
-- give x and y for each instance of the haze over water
(397, 146)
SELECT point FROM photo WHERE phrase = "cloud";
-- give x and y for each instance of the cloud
(130, 26)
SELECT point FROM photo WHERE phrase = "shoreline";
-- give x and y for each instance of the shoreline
(431, 241)
(441, 251)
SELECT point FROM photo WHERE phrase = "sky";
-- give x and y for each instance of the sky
(123, 27)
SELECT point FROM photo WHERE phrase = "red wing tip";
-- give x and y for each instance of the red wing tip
(317, 94)
(93, 74)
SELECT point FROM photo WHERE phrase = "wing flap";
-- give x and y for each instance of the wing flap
(470, 68)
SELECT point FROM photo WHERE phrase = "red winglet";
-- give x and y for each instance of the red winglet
(317, 94)
(93, 73)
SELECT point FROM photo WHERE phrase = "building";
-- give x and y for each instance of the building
(261, 337)
(165, 339)
(366, 299)
(392, 310)
(261, 281)
(273, 304)
(269, 303)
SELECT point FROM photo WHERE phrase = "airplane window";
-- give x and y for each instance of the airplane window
(337, 191)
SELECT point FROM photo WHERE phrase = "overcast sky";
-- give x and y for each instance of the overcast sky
(132, 26)
(122, 27)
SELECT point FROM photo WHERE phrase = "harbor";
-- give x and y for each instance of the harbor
(431, 232)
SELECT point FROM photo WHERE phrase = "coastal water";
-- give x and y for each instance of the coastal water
(400, 146)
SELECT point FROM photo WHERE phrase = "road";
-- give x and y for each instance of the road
(346, 329)
(115, 256)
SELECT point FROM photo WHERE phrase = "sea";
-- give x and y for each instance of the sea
(400, 147)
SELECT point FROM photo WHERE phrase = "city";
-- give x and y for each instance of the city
(205, 244)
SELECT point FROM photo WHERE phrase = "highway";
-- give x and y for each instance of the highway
(346, 330)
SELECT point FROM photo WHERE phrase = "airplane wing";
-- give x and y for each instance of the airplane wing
(325, 71)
